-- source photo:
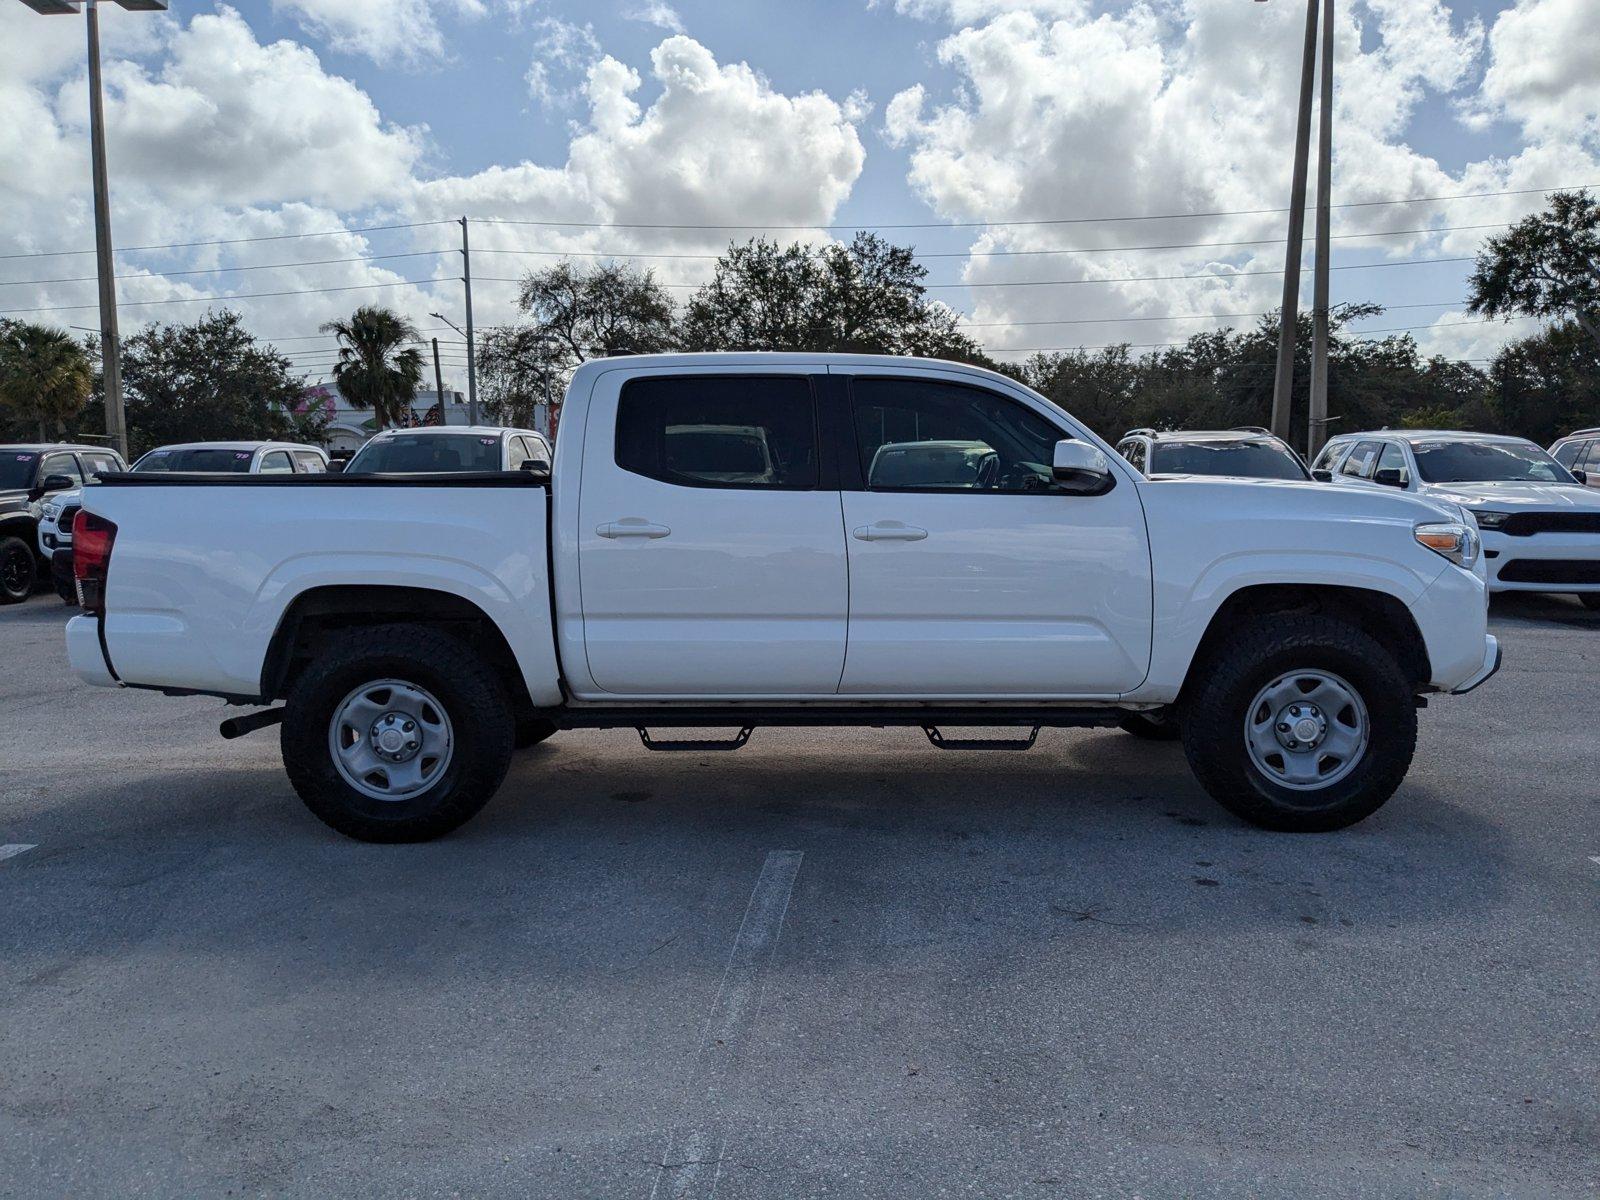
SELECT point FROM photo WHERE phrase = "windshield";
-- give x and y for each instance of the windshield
(209, 460)
(1487, 462)
(1250, 460)
(16, 469)
(427, 452)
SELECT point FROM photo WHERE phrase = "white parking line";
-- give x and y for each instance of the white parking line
(1595, 859)
(691, 1165)
(14, 849)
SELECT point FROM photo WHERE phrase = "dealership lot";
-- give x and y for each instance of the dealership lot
(836, 962)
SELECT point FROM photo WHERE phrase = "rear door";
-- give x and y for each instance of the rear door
(710, 542)
(970, 575)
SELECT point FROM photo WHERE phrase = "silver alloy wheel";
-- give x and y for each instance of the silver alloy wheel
(390, 739)
(1307, 730)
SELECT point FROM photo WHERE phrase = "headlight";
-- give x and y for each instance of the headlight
(1456, 541)
(1488, 518)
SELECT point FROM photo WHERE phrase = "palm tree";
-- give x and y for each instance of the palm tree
(44, 375)
(376, 369)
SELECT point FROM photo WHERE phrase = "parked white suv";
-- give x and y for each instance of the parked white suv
(1540, 525)
(1014, 571)
(451, 448)
(1248, 452)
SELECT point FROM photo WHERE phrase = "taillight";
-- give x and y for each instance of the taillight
(92, 538)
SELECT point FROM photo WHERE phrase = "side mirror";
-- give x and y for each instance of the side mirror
(336, 466)
(52, 483)
(1390, 477)
(1581, 476)
(1081, 470)
(1322, 474)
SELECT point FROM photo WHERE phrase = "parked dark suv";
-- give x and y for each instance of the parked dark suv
(28, 472)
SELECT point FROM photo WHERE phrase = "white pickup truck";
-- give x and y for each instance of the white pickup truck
(670, 576)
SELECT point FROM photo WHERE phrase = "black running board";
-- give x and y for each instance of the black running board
(704, 746)
(861, 716)
(940, 742)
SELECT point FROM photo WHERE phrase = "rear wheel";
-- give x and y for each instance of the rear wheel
(400, 734)
(17, 570)
(1302, 724)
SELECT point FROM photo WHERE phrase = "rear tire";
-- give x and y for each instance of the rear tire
(1158, 726)
(18, 570)
(1238, 724)
(1590, 600)
(415, 674)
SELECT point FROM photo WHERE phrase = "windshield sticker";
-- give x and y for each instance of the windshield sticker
(488, 441)
(241, 454)
(24, 458)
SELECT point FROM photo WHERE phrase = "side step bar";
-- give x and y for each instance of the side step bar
(706, 746)
(941, 742)
(817, 716)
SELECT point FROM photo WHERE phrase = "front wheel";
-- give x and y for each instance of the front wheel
(398, 734)
(17, 570)
(1302, 724)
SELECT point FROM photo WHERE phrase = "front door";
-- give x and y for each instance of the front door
(711, 546)
(969, 574)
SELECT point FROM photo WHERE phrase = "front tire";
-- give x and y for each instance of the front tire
(400, 734)
(17, 570)
(1302, 724)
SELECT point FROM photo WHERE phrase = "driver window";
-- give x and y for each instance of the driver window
(60, 464)
(1394, 458)
(1362, 462)
(923, 435)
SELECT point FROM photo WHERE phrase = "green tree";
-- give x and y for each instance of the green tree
(377, 369)
(519, 368)
(865, 297)
(45, 376)
(1547, 265)
(611, 308)
(211, 380)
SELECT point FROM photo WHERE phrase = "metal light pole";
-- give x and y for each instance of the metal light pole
(1283, 385)
(1317, 427)
(472, 357)
(438, 381)
(110, 345)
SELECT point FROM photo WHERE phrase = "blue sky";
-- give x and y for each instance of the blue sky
(274, 117)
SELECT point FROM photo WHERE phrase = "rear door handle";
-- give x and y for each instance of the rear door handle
(888, 531)
(632, 527)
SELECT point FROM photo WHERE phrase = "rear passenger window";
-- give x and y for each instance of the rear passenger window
(728, 431)
(309, 463)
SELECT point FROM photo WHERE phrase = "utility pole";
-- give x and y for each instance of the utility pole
(111, 345)
(472, 357)
(1317, 428)
(438, 384)
(1283, 385)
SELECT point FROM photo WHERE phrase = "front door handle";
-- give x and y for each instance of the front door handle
(632, 527)
(888, 531)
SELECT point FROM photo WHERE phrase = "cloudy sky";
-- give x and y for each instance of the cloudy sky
(997, 136)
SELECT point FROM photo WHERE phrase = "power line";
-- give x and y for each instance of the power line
(1241, 212)
(1104, 220)
(274, 237)
(354, 287)
(311, 262)
(1244, 316)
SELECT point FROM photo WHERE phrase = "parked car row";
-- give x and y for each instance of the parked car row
(41, 485)
(1538, 511)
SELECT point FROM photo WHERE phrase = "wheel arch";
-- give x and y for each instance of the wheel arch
(1382, 616)
(318, 615)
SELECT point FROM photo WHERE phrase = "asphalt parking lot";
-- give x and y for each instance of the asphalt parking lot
(834, 963)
